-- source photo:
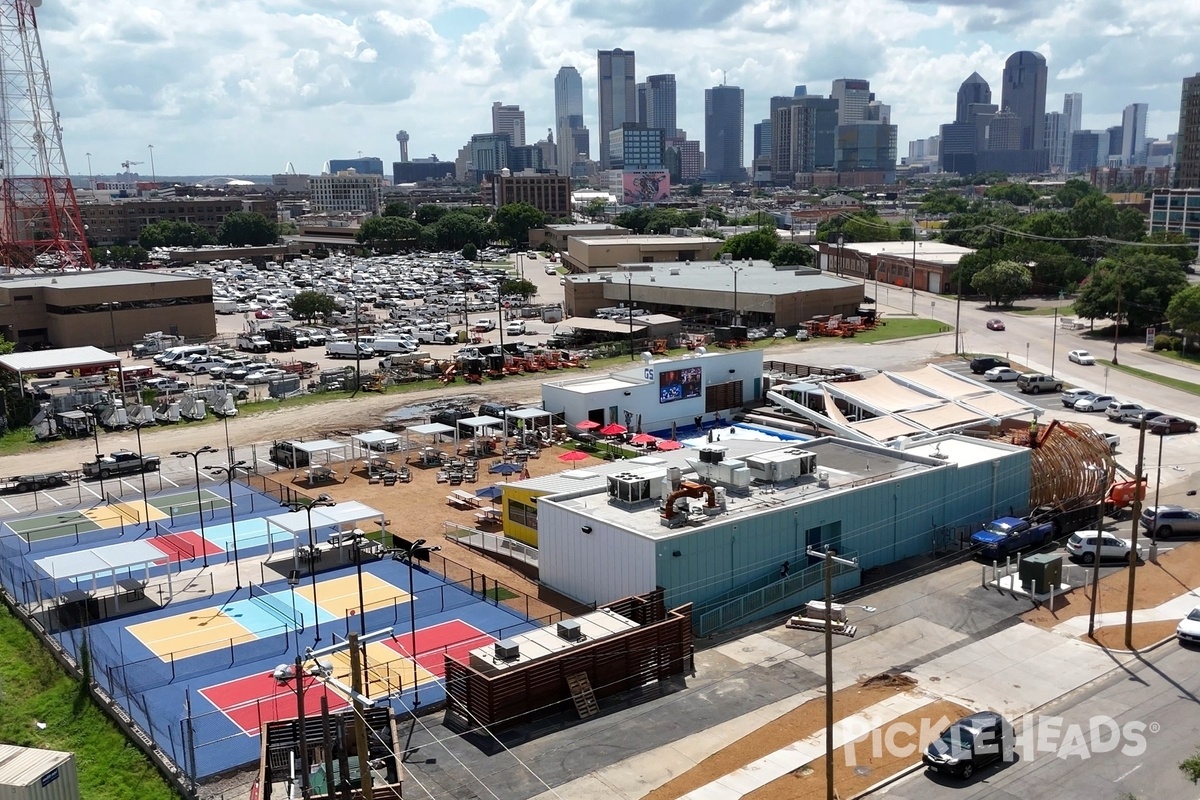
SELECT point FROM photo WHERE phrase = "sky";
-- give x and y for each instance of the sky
(228, 87)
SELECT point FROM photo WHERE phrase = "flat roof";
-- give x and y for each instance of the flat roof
(647, 240)
(755, 277)
(585, 227)
(603, 325)
(57, 360)
(927, 250)
(91, 279)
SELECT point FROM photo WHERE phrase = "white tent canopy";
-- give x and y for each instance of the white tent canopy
(375, 441)
(434, 430)
(481, 423)
(321, 446)
(58, 360)
(343, 514)
(103, 561)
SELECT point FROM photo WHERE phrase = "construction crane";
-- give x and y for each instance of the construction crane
(128, 164)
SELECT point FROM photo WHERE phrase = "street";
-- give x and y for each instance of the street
(1159, 692)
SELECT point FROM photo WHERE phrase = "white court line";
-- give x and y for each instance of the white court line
(168, 480)
(210, 477)
(88, 489)
(52, 497)
(10, 505)
(135, 489)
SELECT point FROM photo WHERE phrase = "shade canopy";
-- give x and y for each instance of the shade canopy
(100, 560)
(376, 437)
(320, 446)
(431, 429)
(613, 429)
(505, 468)
(587, 425)
(325, 516)
(481, 423)
(65, 358)
(489, 492)
(527, 413)
(574, 455)
(669, 444)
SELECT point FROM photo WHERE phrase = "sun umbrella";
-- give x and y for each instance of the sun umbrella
(587, 425)
(669, 444)
(643, 438)
(612, 429)
(574, 455)
(505, 468)
(492, 493)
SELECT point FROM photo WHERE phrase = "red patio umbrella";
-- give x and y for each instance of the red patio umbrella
(574, 455)
(643, 438)
(612, 429)
(587, 425)
(669, 444)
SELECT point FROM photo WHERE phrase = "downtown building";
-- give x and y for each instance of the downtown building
(1187, 143)
(616, 95)
(725, 133)
(572, 136)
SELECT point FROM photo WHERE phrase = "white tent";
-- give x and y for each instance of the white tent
(375, 441)
(105, 561)
(337, 516)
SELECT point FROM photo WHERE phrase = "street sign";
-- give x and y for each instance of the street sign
(1150, 333)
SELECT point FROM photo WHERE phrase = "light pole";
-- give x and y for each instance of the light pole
(1054, 336)
(736, 269)
(93, 410)
(91, 175)
(841, 242)
(137, 427)
(1027, 355)
(153, 172)
(629, 281)
(409, 553)
(194, 455)
(829, 556)
(230, 472)
(359, 539)
(323, 501)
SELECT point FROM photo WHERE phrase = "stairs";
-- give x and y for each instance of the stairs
(582, 695)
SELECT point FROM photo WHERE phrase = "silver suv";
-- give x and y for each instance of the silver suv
(1163, 522)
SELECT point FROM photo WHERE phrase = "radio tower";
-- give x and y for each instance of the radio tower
(40, 223)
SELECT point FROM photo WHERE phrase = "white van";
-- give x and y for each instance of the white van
(394, 344)
(348, 350)
(174, 354)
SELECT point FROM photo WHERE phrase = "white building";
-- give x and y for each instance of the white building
(346, 192)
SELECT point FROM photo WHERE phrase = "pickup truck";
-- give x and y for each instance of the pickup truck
(120, 462)
(1005, 536)
(20, 484)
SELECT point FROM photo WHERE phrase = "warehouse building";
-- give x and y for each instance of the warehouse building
(117, 220)
(593, 253)
(928, 265)
(107, 308)
(756, 292)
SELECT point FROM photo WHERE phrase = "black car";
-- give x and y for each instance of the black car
(969, 744)
(984, 363)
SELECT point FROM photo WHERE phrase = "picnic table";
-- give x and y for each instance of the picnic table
(462, 498)
(489, 516)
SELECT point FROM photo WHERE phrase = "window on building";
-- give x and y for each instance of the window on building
(522, 514)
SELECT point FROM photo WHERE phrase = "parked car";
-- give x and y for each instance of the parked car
(1005, 536)
(1036, 383)
(1147, 415)
(982, 364)
(1163, 522)
(264, 376)
(1166, 424)
(1097, 402)
(1081, 357)
(1082, 545)
(1123, 412)
(1188, 629)
(1072, 396)
(970, 743)
(515, 328)
(995, 324)
(999, 374)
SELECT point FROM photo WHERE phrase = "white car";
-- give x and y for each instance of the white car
(1001, 374)
(1081, 357)
(264, 376)
(1082, 545)
(1097, 402)
(1072, 396)
(1188, 629)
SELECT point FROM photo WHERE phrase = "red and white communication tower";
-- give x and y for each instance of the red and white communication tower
(40, 225)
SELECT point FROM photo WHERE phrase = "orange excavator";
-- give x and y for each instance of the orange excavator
(689, 489)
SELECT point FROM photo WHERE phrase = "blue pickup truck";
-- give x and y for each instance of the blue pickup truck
(1005, 536)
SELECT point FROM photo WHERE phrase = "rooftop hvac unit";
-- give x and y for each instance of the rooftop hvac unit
(712, 455)
(569, 629)
(628, 488)
(673, 270)
(726, 258)
(507, 650)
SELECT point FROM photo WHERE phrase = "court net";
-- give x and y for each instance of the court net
(174, 542)
(276, 608)
(128, 513)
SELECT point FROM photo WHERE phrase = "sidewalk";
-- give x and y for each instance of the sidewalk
(1174, 609)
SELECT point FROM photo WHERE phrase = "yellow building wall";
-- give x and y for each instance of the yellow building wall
(514, 530)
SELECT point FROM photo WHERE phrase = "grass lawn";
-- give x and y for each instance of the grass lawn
(1174, 383)
(500, 594)
(1180, 357)
(902, 328)
(1067, 310)
(35, 689)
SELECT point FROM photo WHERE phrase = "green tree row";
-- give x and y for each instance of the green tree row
(436, 227)
(238, 229)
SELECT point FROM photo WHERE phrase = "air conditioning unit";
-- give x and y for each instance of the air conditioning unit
(569, 629)
(508, 650)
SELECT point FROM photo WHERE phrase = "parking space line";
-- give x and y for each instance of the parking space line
(168, 480)
(89, 490)
(135, 489)
(10, 505)
(54, 499)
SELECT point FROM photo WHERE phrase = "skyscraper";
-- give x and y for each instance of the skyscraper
(724, 132)
(1025, 95)
(1133, 134)
(762, 139)
(1187, 142)
(510, 120)
(974, 90)
(803, 135)
(617, 94)
(660, 103)
(852, 95)
(1072, 121)
(568, 104)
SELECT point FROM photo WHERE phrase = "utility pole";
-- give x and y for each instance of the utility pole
(1117, 332)
(1133, 537)
(360, 724)
(1096, 568)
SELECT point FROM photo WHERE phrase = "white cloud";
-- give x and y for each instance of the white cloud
(243, 87)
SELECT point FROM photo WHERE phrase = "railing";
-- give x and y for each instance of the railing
(491, 543)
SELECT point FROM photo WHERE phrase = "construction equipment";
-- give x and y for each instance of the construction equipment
(127, 164)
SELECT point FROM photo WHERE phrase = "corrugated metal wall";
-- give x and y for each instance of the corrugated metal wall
(597, 567)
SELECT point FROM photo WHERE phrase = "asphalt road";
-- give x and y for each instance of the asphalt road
(1159, 696)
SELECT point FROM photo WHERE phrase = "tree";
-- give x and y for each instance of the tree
(119, 254)
(635, 219)
(514, 221)
(397, 208)
(1141, 283)
(1172, 243)
(1190, 767)
(940, 201)
(695, 190)
(242, 228)
(1183, 312)
(173, 234)
(758, 219)
(388, 233)
(790, 254)
(861, 226)
(428, 213)
(457, 229)
(470, 252)
(1002, 282)
(308, 304)
(758, 244)
(518, 286)
(1054, 267)
(1019, 194)
(595, 208)
(1073, 191)
(715, 213)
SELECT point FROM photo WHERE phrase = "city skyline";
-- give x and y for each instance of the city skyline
(247, 88)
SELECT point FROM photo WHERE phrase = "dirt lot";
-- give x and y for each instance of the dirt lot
(1145, 634)
(1176, 572)
(793, 726)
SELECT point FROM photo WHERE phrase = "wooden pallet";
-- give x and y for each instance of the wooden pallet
(818, 626)
(582, 695)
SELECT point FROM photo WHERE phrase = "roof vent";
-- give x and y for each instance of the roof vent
(569, 629)
(508, 650)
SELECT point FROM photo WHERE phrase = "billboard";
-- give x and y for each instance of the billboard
(646, 187)
(679, 384)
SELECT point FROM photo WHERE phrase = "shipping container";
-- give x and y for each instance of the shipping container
(30, 774)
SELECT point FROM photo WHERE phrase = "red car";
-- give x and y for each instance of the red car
(995, 324)
(262, 313)
(1167, 424)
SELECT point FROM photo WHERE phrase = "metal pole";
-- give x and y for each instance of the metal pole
(1117, 325)
(629, 280)
(305, 790)
(1133, 541)
(412, 618)
(237, 573)
(1157, 487)
(1096, 568)
(362, 606)
(200, 507)
(96, 437)
(828, 570)
(912, 279)
(1054, 341)
(957, 312)
(145, 495)
(312, 572)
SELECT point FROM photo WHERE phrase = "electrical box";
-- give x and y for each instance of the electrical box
(1039, 572)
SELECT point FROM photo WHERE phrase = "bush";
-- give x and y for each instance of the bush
(1165, 341)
